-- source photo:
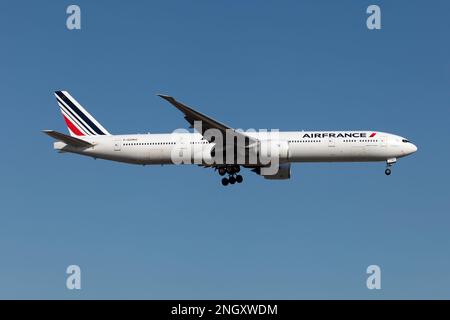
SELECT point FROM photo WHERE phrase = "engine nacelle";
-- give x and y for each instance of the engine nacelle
(268, 152)
(283, 172)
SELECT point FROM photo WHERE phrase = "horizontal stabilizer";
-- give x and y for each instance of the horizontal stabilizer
(72, 141)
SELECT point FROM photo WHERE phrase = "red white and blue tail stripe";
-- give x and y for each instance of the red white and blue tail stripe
(78, 120)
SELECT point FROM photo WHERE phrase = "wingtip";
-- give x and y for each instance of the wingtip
(48, 132)
(164, 96)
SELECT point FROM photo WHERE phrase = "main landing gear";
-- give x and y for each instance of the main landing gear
(389, 163)
(233, 177)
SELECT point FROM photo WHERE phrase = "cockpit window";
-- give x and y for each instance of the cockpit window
(405, 140)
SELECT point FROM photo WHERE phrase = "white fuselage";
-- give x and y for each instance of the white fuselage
(303, 146)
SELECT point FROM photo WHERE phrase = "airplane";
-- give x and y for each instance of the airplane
(88, 137)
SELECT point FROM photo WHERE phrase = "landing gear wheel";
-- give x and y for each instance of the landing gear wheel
(225, 181)
(239, 178)
(222, 171)
(232, 180)
(237, 169)
(230, 169)
(387, 171)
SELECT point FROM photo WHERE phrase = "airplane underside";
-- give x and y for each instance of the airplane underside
(230, 172)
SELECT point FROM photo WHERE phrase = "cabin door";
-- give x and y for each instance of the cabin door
(117, 144)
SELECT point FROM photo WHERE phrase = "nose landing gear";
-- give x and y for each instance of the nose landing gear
(389, 163)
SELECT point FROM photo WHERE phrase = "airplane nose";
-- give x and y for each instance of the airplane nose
(413, 148)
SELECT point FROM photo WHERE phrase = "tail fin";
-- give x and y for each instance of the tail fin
(79, 122)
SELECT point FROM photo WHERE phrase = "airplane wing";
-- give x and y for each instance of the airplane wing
(75, 142)
(192, 115)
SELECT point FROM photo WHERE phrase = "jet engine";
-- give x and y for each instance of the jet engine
(283, 172)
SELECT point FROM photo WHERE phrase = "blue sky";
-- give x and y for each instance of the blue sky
(174, 232)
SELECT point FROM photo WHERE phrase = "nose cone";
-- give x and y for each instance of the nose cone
(413, 148)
